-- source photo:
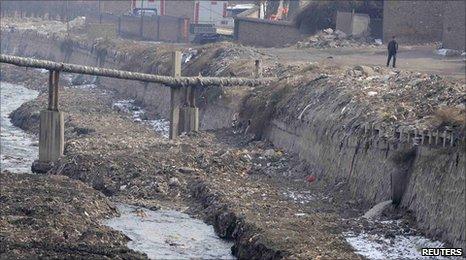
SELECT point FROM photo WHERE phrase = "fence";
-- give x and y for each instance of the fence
(265, 33)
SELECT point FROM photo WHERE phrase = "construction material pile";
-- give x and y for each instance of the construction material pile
(330, 38)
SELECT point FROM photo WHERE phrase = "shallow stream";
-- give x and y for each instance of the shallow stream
(18, 149)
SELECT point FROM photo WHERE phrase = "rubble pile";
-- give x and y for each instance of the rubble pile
(406, 98)
(377, 95)
(44, 27)
(330, 38)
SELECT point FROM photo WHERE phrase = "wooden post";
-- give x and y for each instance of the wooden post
(175, 94)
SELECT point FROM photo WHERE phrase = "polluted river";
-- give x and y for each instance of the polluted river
(170, 234)
(161, 234)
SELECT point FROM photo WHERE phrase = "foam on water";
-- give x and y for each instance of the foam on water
(18, 148)
(168, 234)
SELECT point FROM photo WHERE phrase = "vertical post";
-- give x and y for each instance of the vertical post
(175, 93)
(56, 79)
(141, 28)
(257, 69)
(100, 14)
(51, 78)
(193, 111)
(119, 25)
(52, 128)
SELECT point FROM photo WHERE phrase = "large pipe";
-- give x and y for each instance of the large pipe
(120, 74)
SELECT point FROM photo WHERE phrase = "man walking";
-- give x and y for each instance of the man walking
(392, 49)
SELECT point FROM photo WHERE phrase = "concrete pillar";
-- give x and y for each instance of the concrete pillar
(52, 129)
(175, 94)
(184, 115)
(51, 137)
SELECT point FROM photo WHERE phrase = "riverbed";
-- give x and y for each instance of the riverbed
(18, 148)
(169, 234)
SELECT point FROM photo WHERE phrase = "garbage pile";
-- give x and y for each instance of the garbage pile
(330, 38)
(407, 98)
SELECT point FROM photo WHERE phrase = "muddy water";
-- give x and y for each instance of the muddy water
(18, 149)
(168, 234)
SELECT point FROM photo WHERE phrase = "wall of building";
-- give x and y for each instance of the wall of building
(454, 25)
(71, 8)
(413, 21)
(265, 33)
(183, 9)
(154, 28)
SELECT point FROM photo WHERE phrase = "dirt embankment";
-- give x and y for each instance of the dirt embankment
(56, 217)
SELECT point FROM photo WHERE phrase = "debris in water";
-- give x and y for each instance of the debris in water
(168, 234)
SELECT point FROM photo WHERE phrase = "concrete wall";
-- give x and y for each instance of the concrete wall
(435, 184)
(413, 21)
(264, 33)
(454, 25)
(73, 8)
(154, 28)
(183, 9)
(353, 24)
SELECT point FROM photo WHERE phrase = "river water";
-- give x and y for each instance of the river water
(168, 234)
(18, 149)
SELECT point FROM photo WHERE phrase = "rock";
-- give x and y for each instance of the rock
(340, 34)
(371, 93)
(328, 30)
(41, 167)
(186, 170)
(174, 182)
(368, 71)
(377, 210)
(269, 152)
(447, 52)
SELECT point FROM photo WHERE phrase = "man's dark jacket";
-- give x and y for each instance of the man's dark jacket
(392, 47)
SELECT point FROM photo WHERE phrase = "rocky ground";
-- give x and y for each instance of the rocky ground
(56, 217)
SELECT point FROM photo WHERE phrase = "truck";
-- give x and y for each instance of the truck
(215, 13)
(145, 7)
